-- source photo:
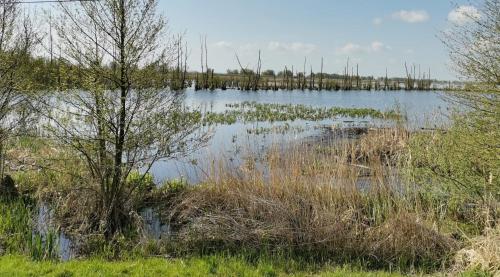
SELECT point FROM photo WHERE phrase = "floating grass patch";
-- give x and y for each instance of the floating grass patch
(268, 112)
(279, 129)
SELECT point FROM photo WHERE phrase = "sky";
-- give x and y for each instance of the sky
(376, 34)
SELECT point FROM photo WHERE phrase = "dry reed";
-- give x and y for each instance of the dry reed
(335, 202)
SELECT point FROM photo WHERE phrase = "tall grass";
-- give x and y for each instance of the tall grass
(18, 234)
(15, 226)
(333, 203)
(482, 252)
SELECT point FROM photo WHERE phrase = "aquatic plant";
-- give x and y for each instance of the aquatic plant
(44, 246)
(18, 234)
(15, 226)
(266, 112)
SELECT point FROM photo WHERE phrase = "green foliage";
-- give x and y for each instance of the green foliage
(44, 247)
(15, 226)
(175, 185)
(476, 273)
(17, 234)
(97, 246)
(140, 181)
(461, 166)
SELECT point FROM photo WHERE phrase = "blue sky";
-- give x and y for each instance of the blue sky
(374, 33)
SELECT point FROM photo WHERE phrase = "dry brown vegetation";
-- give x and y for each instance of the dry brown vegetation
(482, 252)
(317, 201)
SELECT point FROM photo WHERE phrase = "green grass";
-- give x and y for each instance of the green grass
(207, 266)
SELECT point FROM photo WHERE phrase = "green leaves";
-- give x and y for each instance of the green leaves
(460, 165)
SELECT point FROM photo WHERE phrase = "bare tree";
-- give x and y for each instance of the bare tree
(253, 81)
(118, 123)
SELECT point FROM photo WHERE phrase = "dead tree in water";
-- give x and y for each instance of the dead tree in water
(303, 83)
(386, 81)
(311, 82)
(285, 78)
(275, 85)
(320, 85)
(357, 76)
(347, 80)
(252, 78)
(200, 84)
(205, 71)
(179, 74)
(410, 82)
(257, 74)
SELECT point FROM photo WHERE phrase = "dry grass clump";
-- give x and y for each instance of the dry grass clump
(310, 204)
(386, 145)
(405, 236)
(482, 253)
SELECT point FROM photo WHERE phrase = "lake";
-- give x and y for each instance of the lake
(231, 143)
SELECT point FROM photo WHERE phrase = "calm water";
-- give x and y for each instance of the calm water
(231, 142)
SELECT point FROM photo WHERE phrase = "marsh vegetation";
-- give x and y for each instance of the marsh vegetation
(84, 136)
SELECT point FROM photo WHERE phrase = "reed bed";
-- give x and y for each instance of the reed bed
(318, 204)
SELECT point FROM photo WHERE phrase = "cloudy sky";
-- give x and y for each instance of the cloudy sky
(376, 34)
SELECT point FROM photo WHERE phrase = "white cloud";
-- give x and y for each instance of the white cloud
(378, 46)
(223, 44)
(350, 48)
(297, 47)
(377, 21)
(249, 47)
(463, 15)
(353, 48)
(415, 16)
(410, 51)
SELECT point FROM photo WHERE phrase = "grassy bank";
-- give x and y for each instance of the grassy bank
(206, 266)
(19, 266)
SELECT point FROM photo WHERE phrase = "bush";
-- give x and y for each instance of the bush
(462, 167)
